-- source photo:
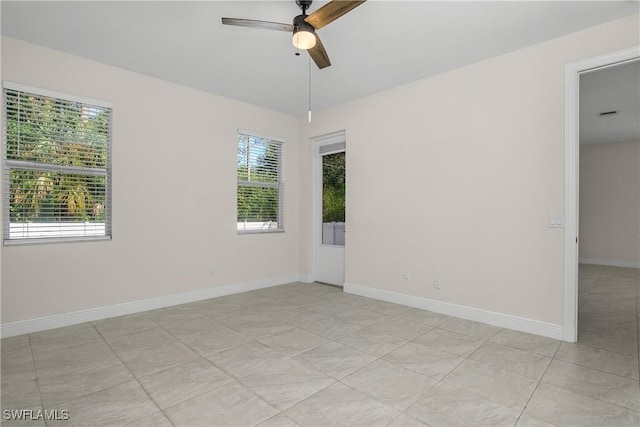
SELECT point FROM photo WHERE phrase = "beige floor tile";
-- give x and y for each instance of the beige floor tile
(119, 405)
(72, 360)
(149, 337)
(149, 360)
(293, 341)
(226, 311)
(229, 405)
(423, 316)
(529, 421)
(401, 328)
(182, 382)
(383, 307)
(340, 405)
(424, 360)
(280, 420)
(587, 384)
(501, 387)
(350, 313)
(20, 394)
(215, 341)
(361, 317)
(85, 379)
(56, 339)
(156, 420)
(392, 385)
(445, 405)
(248, 299)
(17, 365)
(191, 326)
(255, 325)
(302, 300)
(449, 342)
(512, 360)
(285, 382)
(124, 325)
(275, 292)
(527, 342)
(599, 385)
(602, 360)
(404, 420)
(469, 328)
(620, 342)
(245, 359)
(281, 311)
(372, 342)
(335, 360)
(13, 344)
(598, 322)
(564, 408)
(327, 326)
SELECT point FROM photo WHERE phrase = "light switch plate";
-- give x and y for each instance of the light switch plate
(556, 221)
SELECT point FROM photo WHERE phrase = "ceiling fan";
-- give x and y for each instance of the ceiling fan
(304, 26)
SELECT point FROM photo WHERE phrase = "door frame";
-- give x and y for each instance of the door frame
(572, 177)
(316, 196)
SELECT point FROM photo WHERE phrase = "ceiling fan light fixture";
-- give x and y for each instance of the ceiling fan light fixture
(304, 35)
(304, 39)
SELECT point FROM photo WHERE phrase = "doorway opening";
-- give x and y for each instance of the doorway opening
(573, 74)
(329, 208)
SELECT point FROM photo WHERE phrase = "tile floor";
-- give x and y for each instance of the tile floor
(312, 355)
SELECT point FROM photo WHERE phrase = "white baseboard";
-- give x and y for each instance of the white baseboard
(305, 278)
(609, 262)
(496, 319)
(98, 313)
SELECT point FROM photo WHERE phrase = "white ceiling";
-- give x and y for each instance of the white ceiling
(610, 89)
(377, 46)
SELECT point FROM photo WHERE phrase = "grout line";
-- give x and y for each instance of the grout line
(35, 372)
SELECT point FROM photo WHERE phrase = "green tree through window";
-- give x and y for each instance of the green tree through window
(57, 157)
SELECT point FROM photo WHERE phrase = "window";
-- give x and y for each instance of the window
(57, 167)
(260, 189)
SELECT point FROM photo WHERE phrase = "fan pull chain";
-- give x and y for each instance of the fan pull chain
(309, 89)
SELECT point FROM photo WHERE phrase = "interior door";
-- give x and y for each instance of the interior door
(331, 222)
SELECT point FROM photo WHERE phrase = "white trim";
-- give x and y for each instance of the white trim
(98, 313)
(610, 262)
(54, 94)
(477, 315)
(571, 181)
(259, 135)
(330, 138)
(305, 278)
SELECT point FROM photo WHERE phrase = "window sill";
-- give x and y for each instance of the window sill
(45, 241)
(275, 230)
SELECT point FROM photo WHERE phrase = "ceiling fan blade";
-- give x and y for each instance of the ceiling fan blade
(330, 12)
(319, 55)
(265, 25)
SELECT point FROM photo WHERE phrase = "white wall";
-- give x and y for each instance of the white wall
(610, 203)
(174, 154)
(476, 156)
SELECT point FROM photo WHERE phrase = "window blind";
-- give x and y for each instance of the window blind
(57, 168)
(260, 188)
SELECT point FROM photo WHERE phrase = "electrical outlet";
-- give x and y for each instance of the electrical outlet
(212, 272)
(436, 283)
(405, 278)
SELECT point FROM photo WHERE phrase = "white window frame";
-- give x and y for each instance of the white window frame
(279, 185)
(8, 165)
